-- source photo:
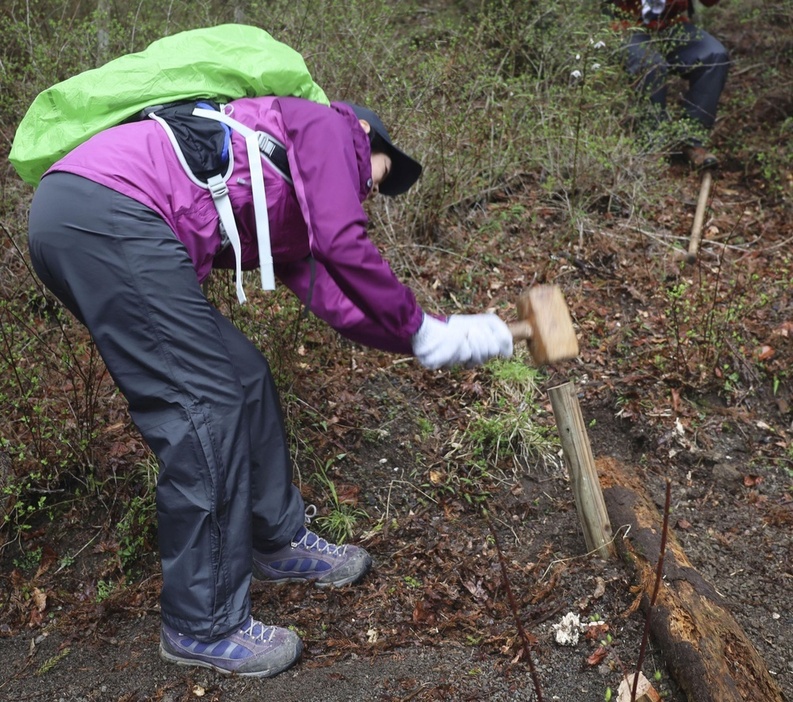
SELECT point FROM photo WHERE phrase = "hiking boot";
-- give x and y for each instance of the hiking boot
(699, 157)
(309, 558)
(253, 650)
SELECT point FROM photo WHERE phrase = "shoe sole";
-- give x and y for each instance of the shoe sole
(169, 657)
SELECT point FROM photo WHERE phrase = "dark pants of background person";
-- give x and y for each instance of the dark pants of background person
(199, 391)
(685, 50)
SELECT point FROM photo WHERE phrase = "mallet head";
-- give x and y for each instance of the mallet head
(546, 324)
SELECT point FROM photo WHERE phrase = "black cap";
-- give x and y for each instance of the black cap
(404, 170)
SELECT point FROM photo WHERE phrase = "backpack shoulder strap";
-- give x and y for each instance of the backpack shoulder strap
(257, 144)
(200, 133)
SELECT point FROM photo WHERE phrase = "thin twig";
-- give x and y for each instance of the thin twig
(659, 571)
(527, 645)
(74, 555)
(593, 552)
(415, 692)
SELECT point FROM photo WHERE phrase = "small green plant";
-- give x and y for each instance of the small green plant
(774, 163)
(412, 582)
(375, 436)
(425, 427)
(29, 560)
(340, 522)
(104, 589)
(66, 561)
(50, 663)
(504, 426)
(19, 495)
(490, 434)
(706, 324)
(136, 529)
(300, 632)
(501, 440)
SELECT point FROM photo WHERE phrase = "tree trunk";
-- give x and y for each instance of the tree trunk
(705, 649)
(102, 31)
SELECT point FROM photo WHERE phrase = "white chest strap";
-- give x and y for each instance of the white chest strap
(256, 143)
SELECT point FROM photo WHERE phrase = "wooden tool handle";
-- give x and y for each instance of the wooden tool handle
(521, 331)
(699, 216)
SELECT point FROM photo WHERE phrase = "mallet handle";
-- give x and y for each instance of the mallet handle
(521, 331)
(699, 216)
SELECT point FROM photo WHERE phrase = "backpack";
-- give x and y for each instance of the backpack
(223, 63)
(200, 133)
(165, 82)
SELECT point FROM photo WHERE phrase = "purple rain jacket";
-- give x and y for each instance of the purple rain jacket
(321, 215)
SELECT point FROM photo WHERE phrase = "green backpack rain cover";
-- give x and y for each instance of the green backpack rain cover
(225, 62)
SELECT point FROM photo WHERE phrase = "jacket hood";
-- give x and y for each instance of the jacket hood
(363, 150)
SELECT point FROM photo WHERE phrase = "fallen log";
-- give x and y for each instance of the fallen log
(705, 649)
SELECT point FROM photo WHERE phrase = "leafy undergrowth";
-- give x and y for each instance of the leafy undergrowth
(684, 374)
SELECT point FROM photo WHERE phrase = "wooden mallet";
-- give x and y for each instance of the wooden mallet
(544, 321)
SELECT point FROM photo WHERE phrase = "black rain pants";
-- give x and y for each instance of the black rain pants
(686, 50)
(198, 390)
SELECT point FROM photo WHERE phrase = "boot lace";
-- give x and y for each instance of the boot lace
(312, 542)
(257, 632)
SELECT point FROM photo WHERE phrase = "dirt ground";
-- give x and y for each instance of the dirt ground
(433, 620)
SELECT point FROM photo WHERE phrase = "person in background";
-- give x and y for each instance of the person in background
(662, 39)
(122, 235)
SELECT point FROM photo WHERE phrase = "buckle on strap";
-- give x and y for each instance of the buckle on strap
(267, 144)
(217, 187)
(220, 196)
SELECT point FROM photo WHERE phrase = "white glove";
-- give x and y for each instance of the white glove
(652, 9)
(465, 339)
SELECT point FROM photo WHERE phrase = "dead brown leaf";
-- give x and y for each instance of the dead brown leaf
(48, 557)
(437, 477)
(39, 599)
(600, 588)
(348, 494)
(597, 657)
(766, 353)
(785, 329)
(596, 632)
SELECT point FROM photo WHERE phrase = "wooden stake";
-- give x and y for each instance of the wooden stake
(699, 215)
(589, 501)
